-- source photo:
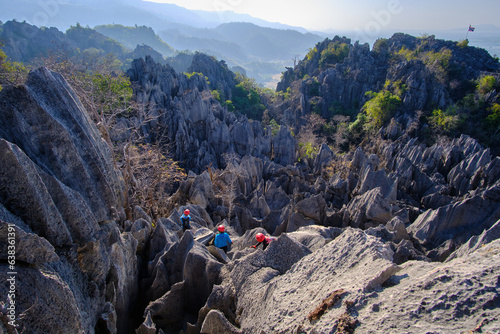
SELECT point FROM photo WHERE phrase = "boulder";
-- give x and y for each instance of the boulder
(476, 242)
(323, 158)
(139, 213)
(398, 227)
(29, 247)
(314, 237)
(382, 233)
(298, 220)
(458, 221)
(219, 254)
(204, 236)
(276, 198)
(405, 251)
(354, 263)
(201, 272)
(162, 237)
(279, 257)
(372, 179)
(370, 207)
(141, 230)
(169, 308)
(201, 192)
(313, 207)
(460, 176)
(216, 322)
(284, 147)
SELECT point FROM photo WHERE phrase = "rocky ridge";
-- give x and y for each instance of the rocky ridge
(61, 195)
(203, 131)
(358, 250)
(394, 63)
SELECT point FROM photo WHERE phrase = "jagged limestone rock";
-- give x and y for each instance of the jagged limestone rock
(63, 141)
(23, 193)
(216, 322)
(476, 242)
(271, 302)
(170, 307)
(370, 207)
(59, 186)
(437, 297)
(29, 247)
(458, 221)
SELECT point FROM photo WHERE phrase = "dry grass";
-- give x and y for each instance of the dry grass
(334, 297)
(346, 324)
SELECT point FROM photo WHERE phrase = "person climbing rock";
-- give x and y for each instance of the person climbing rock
(222, 239)
(263, 239)
(186, 220)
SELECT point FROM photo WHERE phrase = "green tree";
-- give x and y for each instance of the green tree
(463, 43)
(486, 84)
(275, 127)
(12, 73)
(380, 108)
(446, 122)
(335, 53)
(247, 98)
(230, 105)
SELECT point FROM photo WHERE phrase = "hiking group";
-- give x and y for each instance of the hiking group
(222, 239)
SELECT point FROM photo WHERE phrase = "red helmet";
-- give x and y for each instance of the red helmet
(221, 228)
(186, 212)
(260, 237)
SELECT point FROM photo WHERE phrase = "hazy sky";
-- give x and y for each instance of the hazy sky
(366, 15)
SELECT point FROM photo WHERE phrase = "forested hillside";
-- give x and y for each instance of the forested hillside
(423, 87)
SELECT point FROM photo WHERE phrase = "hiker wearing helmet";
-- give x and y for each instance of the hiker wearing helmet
(222, 240)
(185, 220)
(263, 239)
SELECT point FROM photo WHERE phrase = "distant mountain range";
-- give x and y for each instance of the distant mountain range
(263, 49)
(64, 13)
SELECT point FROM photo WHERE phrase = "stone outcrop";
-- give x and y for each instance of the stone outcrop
(217, 72)
(203, 131)
(343, 81)
(351, 250)
(353, 279)
(59, 196)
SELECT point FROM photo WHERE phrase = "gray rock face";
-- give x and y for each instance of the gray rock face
(476, 242)
(459, 220)
(219, 75)
(372, 207)
(62, 140)
(353, 279)
(202, 130)
(29, 247)
(59, 190)
(444, 298)
(271, 302)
